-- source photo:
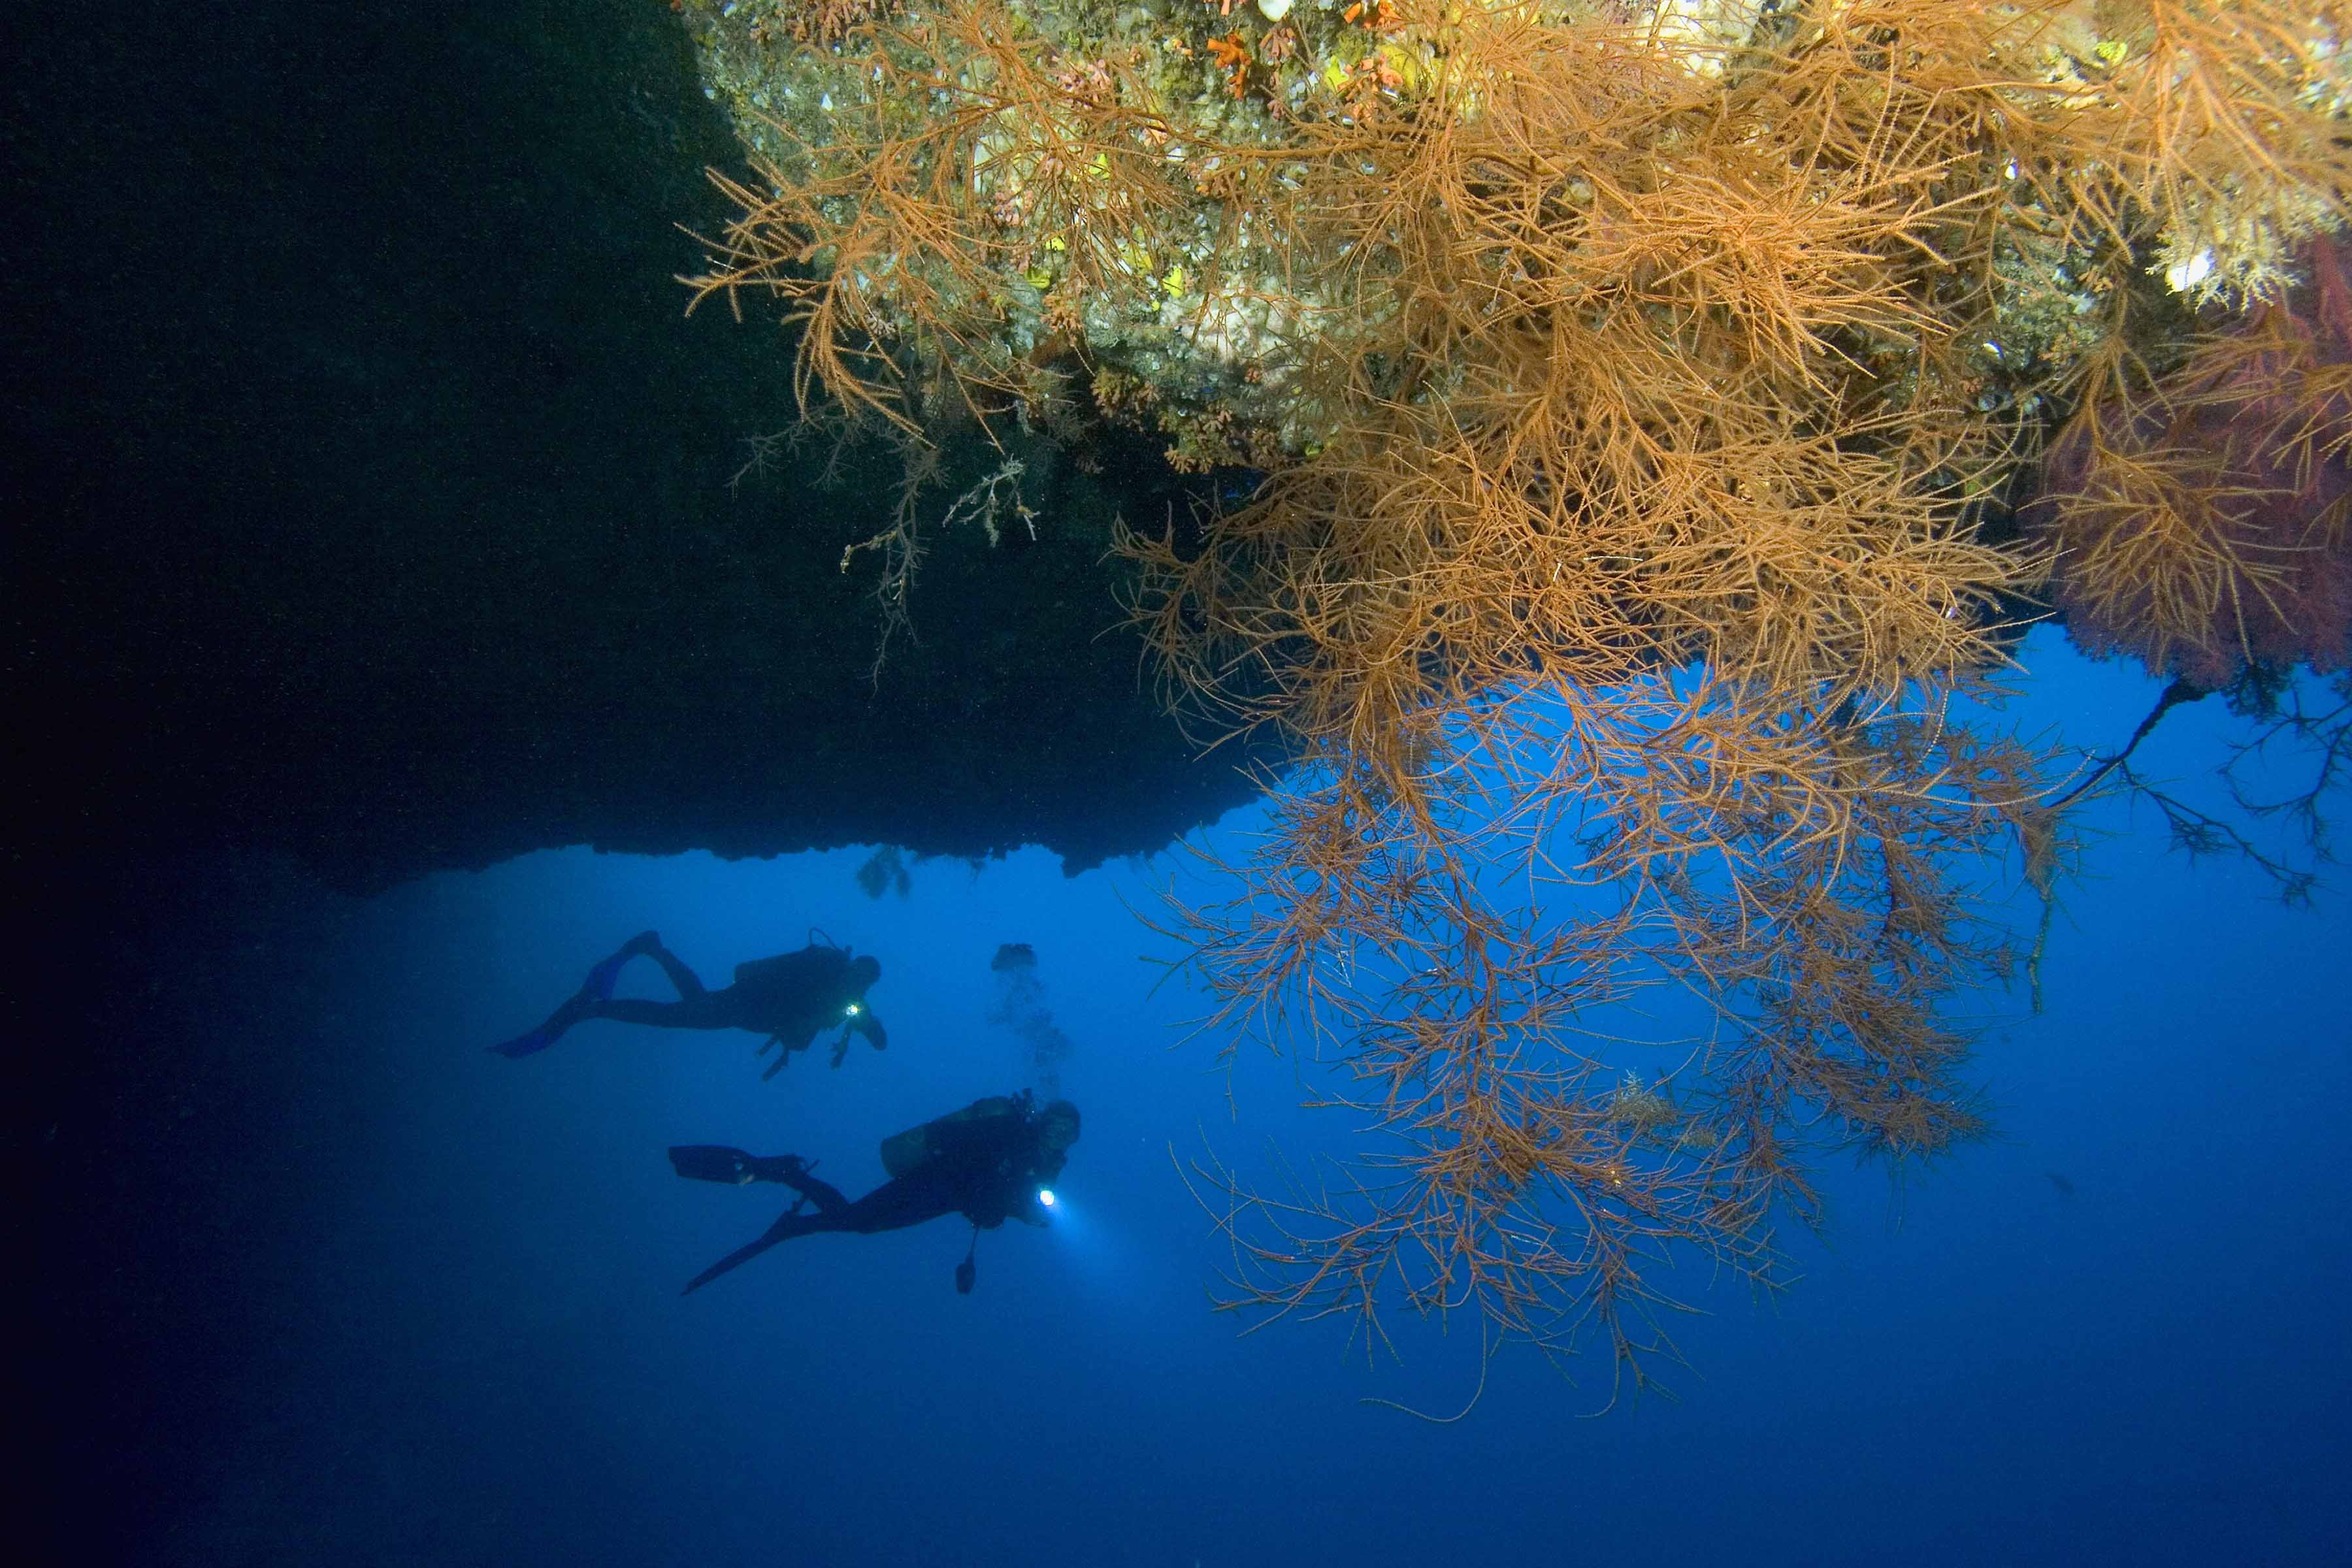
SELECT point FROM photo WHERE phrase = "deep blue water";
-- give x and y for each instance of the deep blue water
(313, 1279)
(420, 1304)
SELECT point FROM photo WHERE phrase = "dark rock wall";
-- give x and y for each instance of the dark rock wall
(367, 493)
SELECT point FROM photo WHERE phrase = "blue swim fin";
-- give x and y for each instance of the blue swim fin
(604, 976)
(570, 1013)
(538, 1040)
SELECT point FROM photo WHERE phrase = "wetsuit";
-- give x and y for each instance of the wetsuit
(988, 1167)
(788, 998)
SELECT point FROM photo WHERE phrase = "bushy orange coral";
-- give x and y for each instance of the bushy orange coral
(1645, 395)
(2200, 520)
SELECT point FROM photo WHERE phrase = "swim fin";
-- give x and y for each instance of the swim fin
(784, 1229)
(574, 1009)
(729, 1264)
(712, 1162)
(604, 976)
(538, 1040)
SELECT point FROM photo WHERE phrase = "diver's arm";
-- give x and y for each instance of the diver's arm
(1032, 1178)
(999, 1207)
(860, 1022)
(1012, 1195)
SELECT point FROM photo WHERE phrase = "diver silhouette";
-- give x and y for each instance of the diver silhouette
(788, 998)
(987, 1161)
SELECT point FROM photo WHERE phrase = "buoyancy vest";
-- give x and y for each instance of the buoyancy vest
(811, 975)
(995, 1121)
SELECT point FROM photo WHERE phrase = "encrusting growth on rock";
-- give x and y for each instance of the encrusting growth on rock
(1636, 400)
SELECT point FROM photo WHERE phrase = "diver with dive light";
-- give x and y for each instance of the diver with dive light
(989, 1162)
(789, 998)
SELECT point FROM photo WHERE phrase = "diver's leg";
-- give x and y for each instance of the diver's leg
(705, 1011)
(607, 973)
(794, 1172)
(784, 1229)
(688, 987)
(896, 1204)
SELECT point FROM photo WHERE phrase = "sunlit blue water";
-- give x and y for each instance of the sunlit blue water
(476, 1351)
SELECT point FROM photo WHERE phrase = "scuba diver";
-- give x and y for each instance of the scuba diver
(989, 1161)
(789, 998)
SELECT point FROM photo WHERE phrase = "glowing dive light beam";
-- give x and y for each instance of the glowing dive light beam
(1045, 1196)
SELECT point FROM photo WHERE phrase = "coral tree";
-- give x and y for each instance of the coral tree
(1635, 388)
(2201, 518)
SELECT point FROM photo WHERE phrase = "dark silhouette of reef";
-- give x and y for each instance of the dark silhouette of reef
(369, 485)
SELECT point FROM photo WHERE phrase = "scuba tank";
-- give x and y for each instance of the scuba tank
(903, 1153)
